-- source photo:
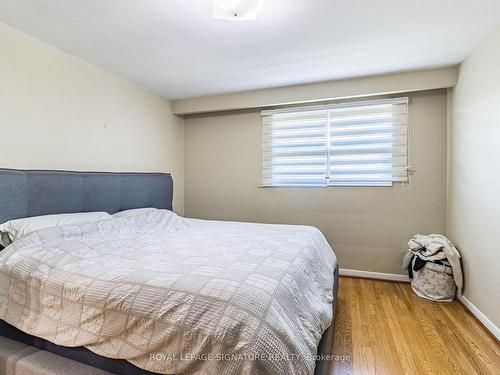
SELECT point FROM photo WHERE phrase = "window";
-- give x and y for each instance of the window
(346, 144)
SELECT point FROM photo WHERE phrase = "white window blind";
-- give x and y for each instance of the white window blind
(347, 144)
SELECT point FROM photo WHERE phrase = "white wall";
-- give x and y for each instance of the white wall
(368, 227)
(60, 112)
(474, 179)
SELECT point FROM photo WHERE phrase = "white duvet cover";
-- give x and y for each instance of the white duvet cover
(174, 295)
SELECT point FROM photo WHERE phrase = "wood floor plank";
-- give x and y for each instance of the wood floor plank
(402, 329)
(434, 340)
(384, 328)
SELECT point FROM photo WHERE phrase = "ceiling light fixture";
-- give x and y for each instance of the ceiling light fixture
(237, 10)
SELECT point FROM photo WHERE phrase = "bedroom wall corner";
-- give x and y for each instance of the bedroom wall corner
(60, 112)
(474, 183)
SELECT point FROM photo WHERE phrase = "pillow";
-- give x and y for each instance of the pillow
(134, 212)
(16, 229)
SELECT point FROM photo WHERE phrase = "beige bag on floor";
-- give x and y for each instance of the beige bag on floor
(434, 282)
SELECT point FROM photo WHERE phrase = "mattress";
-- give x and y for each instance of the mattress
(171, 295)
(122, 367)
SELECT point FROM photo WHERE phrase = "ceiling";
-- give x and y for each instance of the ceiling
(176, 48)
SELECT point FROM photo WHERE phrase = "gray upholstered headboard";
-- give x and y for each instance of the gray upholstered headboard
(26, 193)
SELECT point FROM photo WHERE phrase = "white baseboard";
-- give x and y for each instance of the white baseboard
(488, 324)
(375, 275)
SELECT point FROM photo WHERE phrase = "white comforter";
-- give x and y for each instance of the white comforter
(174, 295)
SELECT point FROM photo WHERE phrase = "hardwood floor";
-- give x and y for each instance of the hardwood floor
(384, 328)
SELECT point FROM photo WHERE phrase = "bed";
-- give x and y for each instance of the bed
(158, 293)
